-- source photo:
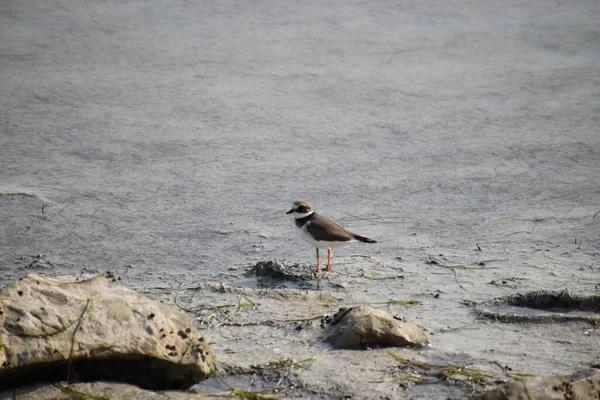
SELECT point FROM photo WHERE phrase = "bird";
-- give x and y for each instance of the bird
(322, 232)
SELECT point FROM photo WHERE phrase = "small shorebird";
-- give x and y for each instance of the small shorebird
(322, 232)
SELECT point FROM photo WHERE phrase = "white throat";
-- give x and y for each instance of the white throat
(298, 215)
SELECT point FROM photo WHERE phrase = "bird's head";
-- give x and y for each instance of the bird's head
(300, 209)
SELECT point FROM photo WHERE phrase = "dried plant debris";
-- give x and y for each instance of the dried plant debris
(277, 364)
(242, 299)
(404, 302)
(321, 296)
(250, 395)
(211, 316)
(542, 306)
(278, 374)
(381, 278)
(242, 302)
(423, 372)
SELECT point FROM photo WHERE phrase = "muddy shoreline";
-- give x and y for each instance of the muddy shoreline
(166, 141)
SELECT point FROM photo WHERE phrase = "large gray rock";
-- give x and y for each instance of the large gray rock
(368, 326)
(91, 328)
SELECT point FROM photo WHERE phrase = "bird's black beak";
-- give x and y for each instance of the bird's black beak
(289, 212)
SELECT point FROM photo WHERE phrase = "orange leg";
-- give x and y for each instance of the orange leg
(328, 259)
(318, 260)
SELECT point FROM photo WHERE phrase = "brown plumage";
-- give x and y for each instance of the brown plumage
(321, 231)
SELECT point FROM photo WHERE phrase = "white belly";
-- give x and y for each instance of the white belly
(320, 243)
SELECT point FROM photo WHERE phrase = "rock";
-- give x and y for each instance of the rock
(88, 328)
(279, 269)
(365, 325)
(94, 390)
(545, 387)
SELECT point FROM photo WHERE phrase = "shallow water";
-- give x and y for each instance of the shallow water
(165, 142)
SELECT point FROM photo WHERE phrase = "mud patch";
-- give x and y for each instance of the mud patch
(542, 306)
(585, 385)
(279, 274)
(279, 377)
(279, 269)
(213, 305)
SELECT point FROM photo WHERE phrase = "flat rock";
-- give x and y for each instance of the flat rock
(368, 326)
(88, 328)
(94, 390)
(546, 387)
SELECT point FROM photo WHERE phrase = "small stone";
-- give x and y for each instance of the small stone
(365, 325)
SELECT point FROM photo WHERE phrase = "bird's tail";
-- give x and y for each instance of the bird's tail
(364, 239)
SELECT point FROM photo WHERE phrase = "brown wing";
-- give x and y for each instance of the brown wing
(323, 228)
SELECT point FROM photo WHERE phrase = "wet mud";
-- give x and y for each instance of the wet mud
(166, 141)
